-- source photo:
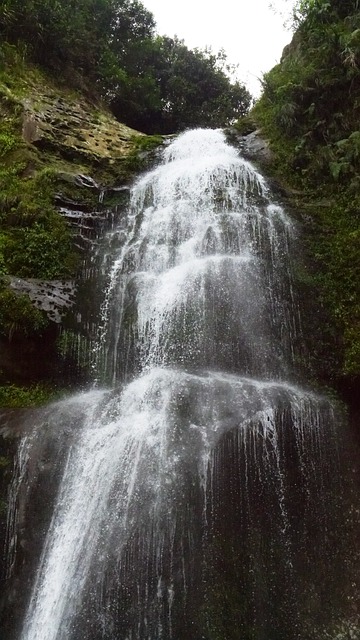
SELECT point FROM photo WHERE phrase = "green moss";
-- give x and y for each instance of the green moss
(12, 396)
(245, 125)
(143, 152)
(4, 462)
(146, 143)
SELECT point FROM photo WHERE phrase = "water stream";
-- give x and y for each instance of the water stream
(197, 496)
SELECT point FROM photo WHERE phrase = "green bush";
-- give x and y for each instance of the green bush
(35, 241)
(19, 317)
(12, 396)
(7, 143)
(38, 252)
(310, 112)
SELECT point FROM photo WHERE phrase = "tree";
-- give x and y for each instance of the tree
(155, 84)
(189, 89)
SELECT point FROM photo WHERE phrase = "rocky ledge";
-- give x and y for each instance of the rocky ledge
(54, 297)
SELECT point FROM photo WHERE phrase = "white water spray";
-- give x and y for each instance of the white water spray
(197, 321)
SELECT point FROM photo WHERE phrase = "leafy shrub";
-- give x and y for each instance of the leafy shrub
(12, 396)
(35, 241)
(18, 316)
(7, 143)
(38, 252)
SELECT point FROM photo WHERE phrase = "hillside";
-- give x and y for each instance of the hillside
(310, 113)
(59, 150)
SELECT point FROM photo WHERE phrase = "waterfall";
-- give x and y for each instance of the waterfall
(197, 495)
(204, 269)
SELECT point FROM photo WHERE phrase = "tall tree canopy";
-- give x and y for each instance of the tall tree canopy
(153, 83)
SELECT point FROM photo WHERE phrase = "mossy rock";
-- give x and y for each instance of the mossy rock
(59, 149)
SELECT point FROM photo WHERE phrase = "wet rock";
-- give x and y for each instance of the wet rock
(86, 181)
(252, 144)
(257, 148)
(72, 126)
(63, 202)
(54, 297)
(30, 129)
(117, 190)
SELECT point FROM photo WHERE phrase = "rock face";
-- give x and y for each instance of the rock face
(54, 297)
(80, 159)
(255, 147)
(74, 125)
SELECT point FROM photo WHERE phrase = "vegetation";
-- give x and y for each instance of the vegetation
(310, 111)
(143, 153)
(15, 397)
(18, 316)
(34, 240)
(34, 243)
(155, 84)
(98, 50)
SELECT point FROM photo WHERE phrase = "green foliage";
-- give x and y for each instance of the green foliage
(345, 630)
(310, 110)
(35, 241)
(146, 143)
(7, 143)
(37, 250)
(4, 462)
(245, 125)
(181, 88)
(142, 154)
(352, 346)
(3, 239)
(12, 396)
(153, 83)
(18, 316)
(312, 13)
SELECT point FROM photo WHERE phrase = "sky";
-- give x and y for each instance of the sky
(251, 33)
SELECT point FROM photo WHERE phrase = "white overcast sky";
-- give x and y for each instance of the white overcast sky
(252, 34)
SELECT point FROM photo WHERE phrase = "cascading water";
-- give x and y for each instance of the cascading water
(198, 499)
(200, 275)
